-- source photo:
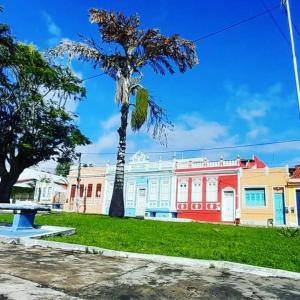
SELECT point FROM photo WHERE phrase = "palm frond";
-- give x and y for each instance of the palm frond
(78, 50)
(160, 52)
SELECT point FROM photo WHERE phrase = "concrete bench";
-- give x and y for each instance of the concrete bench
(23, 214)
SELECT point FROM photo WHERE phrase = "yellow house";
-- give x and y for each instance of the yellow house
(88, 198)
(293, 196)
(263, 199)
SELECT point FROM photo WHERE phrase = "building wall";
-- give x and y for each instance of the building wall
(148, 187)
(50, 192)
(292, 203)
(86, 200)
(205, 209)
(271, 180)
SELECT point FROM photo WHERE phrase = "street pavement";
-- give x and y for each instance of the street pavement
(44, 273)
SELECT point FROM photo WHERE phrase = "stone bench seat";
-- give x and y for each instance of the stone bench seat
(24, 214)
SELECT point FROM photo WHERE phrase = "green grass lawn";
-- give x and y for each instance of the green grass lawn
(256, 246)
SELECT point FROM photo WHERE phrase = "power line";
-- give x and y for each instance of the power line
(237, 23)
(91, 77)
(201, 149)
(276, 23)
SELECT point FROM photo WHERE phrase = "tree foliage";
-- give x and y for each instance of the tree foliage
(140, 112)
(63, 168)
(34, 123)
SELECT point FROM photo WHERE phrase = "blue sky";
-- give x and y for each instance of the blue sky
(241, 92)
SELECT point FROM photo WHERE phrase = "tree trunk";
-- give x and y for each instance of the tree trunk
(6, 186)
(5, 192)
(116, 208)
(8, 179)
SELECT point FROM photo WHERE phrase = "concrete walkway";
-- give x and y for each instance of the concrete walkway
(41, 273)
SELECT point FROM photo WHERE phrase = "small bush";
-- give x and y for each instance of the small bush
(288, 232)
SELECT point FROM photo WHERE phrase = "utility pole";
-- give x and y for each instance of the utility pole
(78, 183)
(287, 5)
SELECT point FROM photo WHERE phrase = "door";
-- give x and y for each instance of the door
(228, 206)
(298, 205)
(141, 202)
(279, 208)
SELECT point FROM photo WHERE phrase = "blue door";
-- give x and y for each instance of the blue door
(298, 205)
(279, 208)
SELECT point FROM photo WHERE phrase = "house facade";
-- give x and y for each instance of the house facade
(293, 196)
(264, 198)
(88, 198)
(209, 190)
(40, 187)
(149, 187)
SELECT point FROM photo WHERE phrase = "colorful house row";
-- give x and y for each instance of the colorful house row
(228, 191)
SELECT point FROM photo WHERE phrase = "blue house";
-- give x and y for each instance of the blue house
(149, 187)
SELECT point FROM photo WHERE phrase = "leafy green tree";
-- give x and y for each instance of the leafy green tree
(34, 123)
(63, 168)
(134, 49)
(7, 50)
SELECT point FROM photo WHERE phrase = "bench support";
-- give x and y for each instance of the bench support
(24, 219)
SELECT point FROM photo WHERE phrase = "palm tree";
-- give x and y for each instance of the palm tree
(134, 49)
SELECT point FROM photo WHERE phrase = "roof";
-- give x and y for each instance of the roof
(296, 173)
(29, 175)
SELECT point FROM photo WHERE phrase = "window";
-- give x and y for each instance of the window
(49, 191)
(164, 193)
(36, 193)
(81, 190)
(212, 190)
(109, 186)
(98, 190)
(153, 193)
(255, 197)
(183, 190)
(130, 194)
(73, 190)
(44, 192)
(196, 190)
(89, 190)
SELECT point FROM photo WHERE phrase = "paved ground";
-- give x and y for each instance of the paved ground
(39, 273)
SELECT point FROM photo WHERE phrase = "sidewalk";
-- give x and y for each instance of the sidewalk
(69, 274)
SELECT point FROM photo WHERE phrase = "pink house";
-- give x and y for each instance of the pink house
(89, 197)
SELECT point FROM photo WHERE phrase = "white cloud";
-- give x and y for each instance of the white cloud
(252, 111)
(111, 123)
(256, 108)
(52, 27)
(257, 131)
(192, 131)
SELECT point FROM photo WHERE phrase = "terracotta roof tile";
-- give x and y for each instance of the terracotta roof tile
(296, 173)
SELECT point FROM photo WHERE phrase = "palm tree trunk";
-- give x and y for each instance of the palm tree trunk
(116, 208)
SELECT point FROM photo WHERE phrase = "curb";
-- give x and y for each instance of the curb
(189, 262)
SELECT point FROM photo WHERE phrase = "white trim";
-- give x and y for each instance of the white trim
(219, 172)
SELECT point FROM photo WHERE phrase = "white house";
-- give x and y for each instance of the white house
(41, 187)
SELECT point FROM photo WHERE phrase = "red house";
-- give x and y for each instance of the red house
(209, 190)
